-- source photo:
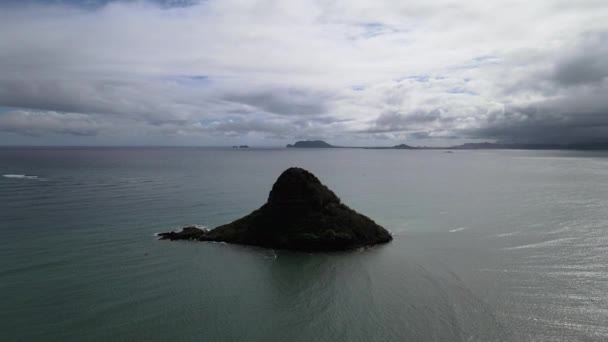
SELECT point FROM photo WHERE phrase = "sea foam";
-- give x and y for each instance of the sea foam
(16, 176)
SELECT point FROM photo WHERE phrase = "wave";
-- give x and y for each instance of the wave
(508, 234)
(550, 243)
(458, 229)
(16, 176)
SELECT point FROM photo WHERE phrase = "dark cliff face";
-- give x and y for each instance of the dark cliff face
(301, 214)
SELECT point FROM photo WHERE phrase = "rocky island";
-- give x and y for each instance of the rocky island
(310, 144)
(301, 214)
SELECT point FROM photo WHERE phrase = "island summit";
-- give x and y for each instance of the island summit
(301, 214)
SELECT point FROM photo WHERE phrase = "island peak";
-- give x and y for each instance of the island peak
(301, 214)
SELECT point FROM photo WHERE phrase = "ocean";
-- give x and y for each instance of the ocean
(489, 245)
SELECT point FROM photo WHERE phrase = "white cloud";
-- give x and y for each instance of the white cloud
(345, 70)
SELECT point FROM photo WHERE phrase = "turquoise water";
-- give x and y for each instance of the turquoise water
(489, 246)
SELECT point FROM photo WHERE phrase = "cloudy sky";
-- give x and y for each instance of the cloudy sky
(268, 72)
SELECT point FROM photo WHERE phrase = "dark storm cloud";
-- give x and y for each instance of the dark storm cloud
(588, 64)
(240, 127)
(575, 108)
(398, 122)
(283, 101)
(40, 123)
(62, 96)
(419, 135)
(320, 120)
(150, 100)
(582, 118)
(275, 126)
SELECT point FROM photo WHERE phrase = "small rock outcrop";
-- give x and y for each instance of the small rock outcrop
(301, 214)
(187, 233)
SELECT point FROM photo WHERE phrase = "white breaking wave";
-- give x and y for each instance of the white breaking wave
(458, 229)
(20, 176)
(508, 234)
(550, 243)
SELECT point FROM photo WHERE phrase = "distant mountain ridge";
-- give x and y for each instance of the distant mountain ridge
(466, 146)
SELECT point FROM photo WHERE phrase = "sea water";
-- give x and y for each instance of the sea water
(489, 246)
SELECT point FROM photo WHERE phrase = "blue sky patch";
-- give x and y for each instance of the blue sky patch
(192, 80)
(459, 90)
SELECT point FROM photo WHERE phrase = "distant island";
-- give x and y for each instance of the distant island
(323, 144)
(301, 214)
(403, 147)
(467, 146)
(311, 144)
